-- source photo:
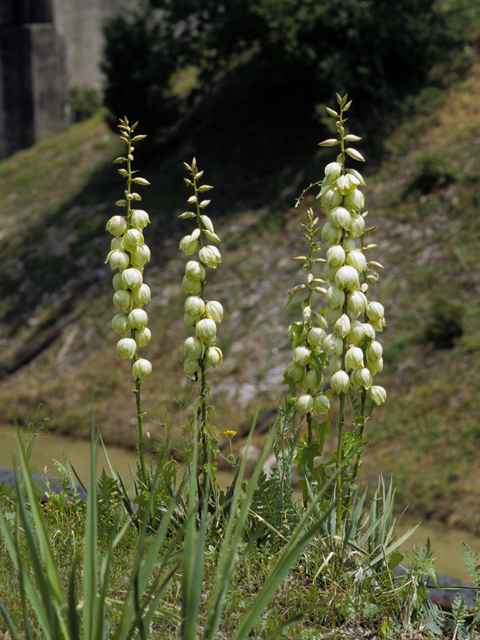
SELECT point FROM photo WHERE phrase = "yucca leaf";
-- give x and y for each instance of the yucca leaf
(8, 620)
(90, 558)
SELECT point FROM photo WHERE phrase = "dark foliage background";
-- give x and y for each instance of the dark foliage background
(300, 52)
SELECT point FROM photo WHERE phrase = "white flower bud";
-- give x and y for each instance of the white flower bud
(294, 371)
(336, 256)
(368, 331)
(191, 366)
(142, 369)
(333, 345)
(342, 326)
(207, 223)
(213, 356)
(118, 259)
(378, 324)
(140, 255)
(143, 295)
(329, 272)
(206, 330)
(194, 270)
(347, 278)
(310, 382)
(342, 184)
(340, 217)
(362, 378)
(137, 319)
(354, 358)
(355, 200)
(349, 244)
(333, 170)
(375, 366)
(315, 338)
(117, 244)
(143, 337)
(321, 404)
(340, 382)
(335, 297)
(335, 364)
(357, 302)
(122, 300)
(188, 246)
(356, 226)
(214, 311)
(191, 286)
(304, 403)
(126, 348)
(120, 323)
(189, 320)
(357, 175)
(117, 281)
(375, 311)
(357, 260)
(117, 225)
(378, 394)
(356, 334)
(331, 198)
(132, 278)
(302, 356)
(195, 306)
(331, 233)
(374, 351)
(139, 219)
(132, 238)
(210, 256)
(333, 315)
(193, 347)
(307, 314)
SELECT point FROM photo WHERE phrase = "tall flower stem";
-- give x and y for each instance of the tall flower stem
(201, 315)
(129, 253)
(141, 431)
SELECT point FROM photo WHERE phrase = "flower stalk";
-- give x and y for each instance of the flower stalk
(129, 254)
(201, 314)
(350, 351)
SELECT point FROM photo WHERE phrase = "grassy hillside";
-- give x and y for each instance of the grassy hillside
(55, 291)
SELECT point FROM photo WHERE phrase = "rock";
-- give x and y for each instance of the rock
(44, 483)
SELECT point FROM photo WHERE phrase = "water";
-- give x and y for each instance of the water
(49, 448)
(445, 541)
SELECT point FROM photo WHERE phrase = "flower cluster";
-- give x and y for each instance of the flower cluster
(129, 254)
(351, 351)
(200, 314)
(354, 354)
(307, 337)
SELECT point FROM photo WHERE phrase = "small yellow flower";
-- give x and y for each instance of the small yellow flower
(229, 434)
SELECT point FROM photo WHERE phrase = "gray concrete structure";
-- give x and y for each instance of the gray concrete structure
(46, 48)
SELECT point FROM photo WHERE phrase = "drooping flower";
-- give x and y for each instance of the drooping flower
(378, 394)
(142, 369)
(206, 330)
(340, 382)
(126, 348)
(304, 403)
(210, 256)
(213, 356)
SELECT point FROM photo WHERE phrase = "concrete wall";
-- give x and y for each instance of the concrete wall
(47, 47)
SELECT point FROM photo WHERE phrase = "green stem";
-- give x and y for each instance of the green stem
(138, 383)
(202, 410)
(141, 432)
(340, 425)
